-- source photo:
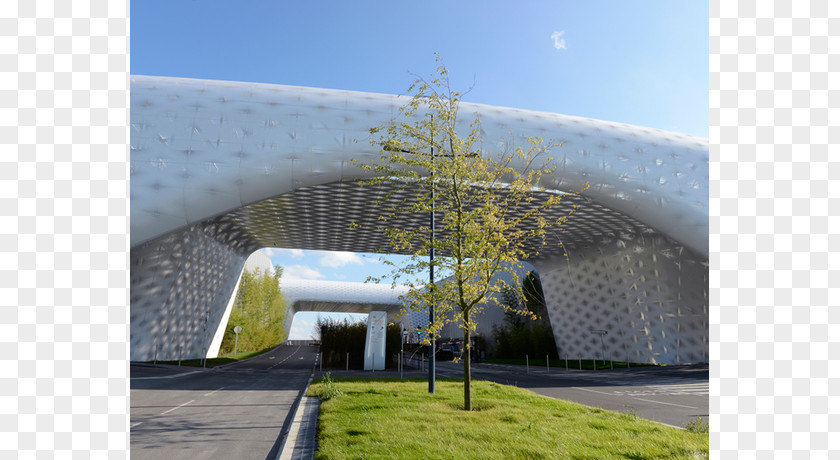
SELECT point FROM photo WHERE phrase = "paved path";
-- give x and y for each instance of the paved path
(238, 411)
(673, 395)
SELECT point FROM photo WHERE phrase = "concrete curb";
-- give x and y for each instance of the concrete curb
(301, 405)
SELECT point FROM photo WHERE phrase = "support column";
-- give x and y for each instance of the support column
(649, 294)
(180, 286)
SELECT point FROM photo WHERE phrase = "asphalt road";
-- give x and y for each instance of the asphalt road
(238, 411)
(673, 395)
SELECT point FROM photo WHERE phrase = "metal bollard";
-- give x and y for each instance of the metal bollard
(594, 367)
(527, 369)
(546, 365)
(347, 365)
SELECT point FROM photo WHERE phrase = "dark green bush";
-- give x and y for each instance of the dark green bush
(338, 338)
(444, 355)
(519, 335)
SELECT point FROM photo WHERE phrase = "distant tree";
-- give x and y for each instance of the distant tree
(533, 295)
(485, 204)
(516, 337)
(260, 309)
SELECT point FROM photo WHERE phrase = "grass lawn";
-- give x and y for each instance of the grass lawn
(399, 419)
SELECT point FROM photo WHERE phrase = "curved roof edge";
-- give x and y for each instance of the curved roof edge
(342, 296)
(201, 148)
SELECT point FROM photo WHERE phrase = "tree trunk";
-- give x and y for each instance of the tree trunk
(466, 356)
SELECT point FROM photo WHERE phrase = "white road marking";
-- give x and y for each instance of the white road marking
(689, 389)
(182, 405)
(684, 385)
(138, 423)
(594, 391)
(165, 376)
(208, 394)
(639, 399)
(667, 404)
(284, 359)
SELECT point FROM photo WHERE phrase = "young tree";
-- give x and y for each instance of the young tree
(487, 215)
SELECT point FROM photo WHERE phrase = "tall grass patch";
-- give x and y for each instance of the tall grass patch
(399, 419)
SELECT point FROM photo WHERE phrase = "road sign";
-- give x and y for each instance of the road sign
(237, 329)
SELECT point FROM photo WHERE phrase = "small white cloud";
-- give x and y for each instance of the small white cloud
(300, 272)
(294, 253)
(339, 259)
(559, 43)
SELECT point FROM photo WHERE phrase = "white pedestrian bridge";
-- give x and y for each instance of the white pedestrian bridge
(221, 169)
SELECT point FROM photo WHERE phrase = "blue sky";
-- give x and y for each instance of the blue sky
(329, 266)
(643, 63)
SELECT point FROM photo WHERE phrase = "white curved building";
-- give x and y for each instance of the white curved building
(220, 169)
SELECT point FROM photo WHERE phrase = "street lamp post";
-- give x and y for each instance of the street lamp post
(602, 333)
(432, 252)
(432, 259)
(432, 265)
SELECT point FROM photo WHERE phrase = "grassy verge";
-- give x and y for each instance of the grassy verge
(572, 364)
(221, 360)
(399, 419)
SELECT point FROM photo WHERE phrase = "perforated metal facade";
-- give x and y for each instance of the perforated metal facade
(220, 169)
(342, 297)
(649, 295)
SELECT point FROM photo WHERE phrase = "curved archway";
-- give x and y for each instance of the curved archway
(220, 169)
